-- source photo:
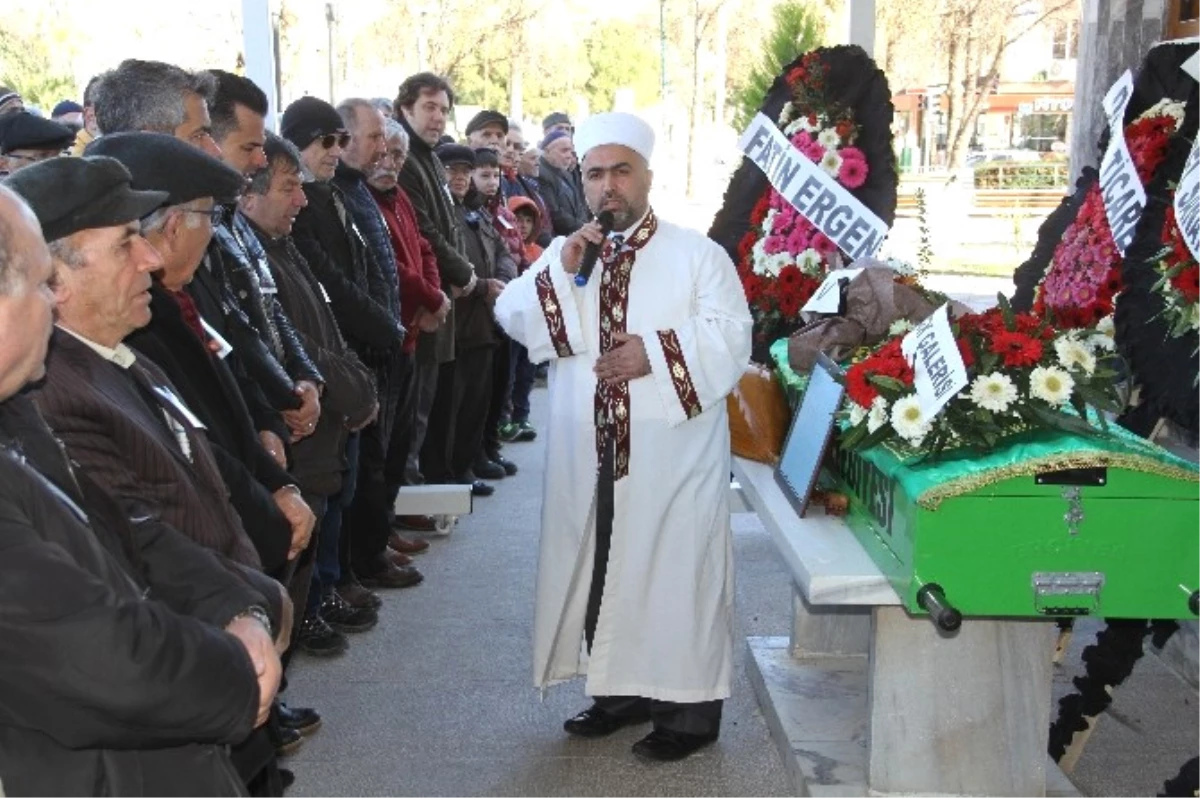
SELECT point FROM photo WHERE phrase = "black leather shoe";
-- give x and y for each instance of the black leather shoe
(303, 719)
(664, 745)
(286, 741)
(478, 486)
(510, 468)
(319, 638)
(486, 469)
(345, 618)
(595, 722)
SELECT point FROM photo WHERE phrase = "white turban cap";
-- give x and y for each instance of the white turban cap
(615, 128)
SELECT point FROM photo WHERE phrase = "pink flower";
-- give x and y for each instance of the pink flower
(780, 224)
(797, 242)
(813, 151)
(802, 139)
(852, 153)
(853, 173)
(773, 245)
(822, 244)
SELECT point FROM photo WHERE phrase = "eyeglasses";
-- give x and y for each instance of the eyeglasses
(215, 215)
(340, 139)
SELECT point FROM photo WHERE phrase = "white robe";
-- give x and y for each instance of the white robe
(665, 629)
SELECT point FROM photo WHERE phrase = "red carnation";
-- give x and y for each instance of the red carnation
(1017, 349)
(1187, 282)
(790, 277)
(968, 355)
(789, 304)
(857, 387)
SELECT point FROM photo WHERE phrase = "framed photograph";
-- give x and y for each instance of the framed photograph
(810, 434)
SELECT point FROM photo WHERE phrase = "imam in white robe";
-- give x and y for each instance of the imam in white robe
(665, 629)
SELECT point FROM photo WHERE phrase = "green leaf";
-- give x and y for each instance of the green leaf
(1006, 311)
(1057, 420)
(890, 383)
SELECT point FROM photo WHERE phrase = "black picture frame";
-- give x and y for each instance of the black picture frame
(810, 434)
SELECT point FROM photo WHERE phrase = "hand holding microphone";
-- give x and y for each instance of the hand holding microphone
(582, 248)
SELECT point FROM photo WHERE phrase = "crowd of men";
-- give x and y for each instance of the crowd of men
(223, 353)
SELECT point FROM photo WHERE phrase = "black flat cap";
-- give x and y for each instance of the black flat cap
(72, 194)
(24, 131)
(485, 118)
(456, 153)
(159, 162)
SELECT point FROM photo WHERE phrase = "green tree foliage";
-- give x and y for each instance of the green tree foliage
(797, 29)
(27, 65)
(623, 55)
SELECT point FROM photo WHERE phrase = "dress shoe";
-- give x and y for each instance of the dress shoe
(486, 469)
(286, 741)
(396, 558)
(510, 468)
(413, 523)
(409, 546)
(526, 431)
(286, 778)
(358, 596)
(478, 486)
(345, 618)
(303, 719)
(595, 722)
(392, 576)
(664, 745)
(319, 638)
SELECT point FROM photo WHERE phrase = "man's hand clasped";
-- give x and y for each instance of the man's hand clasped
(626, 361)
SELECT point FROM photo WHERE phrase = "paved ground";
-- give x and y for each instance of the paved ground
(437, 700)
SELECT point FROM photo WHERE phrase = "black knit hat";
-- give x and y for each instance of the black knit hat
(456, 153)
(159, 162)
(486, 118)
(308, 119)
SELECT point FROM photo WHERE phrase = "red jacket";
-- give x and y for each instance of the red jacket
(420, 281)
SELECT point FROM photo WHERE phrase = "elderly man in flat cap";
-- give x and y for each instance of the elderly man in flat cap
(118, 672)
(26, 139)
(644, 353)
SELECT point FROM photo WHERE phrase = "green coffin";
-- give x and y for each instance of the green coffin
(1048, 525)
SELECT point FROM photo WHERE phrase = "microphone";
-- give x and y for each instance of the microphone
(592, 251)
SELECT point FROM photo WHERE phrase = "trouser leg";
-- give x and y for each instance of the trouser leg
(473, 389)
(439, 434)
(332, 556)
(522, 382)
(424, 392)
(499, 398)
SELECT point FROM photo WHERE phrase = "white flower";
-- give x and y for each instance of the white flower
(1105, 335)
(831, 162)
(809, 261)
(899, 327)
(1166, 107)
(776, 262)
(758, 256)
(878, 415)
(908, 421)
(829, 138)
(1050, 385)
(785, 115)
(1073, 353)
(858, 414)
(768, 222)
(993, 392)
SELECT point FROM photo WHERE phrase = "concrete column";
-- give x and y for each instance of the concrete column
(829, 629)
(257, 43)
(860, 24)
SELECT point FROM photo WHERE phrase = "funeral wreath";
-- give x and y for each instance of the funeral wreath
(1023, 374)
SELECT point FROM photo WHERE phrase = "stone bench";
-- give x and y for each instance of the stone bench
(865, 699)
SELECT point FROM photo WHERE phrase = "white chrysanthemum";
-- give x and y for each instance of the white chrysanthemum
(785, 115)
(858, 414)
(809, 261)
(759, 256)
(829, 138)
(1166, 107)
(1051, 385)
(993, 392)
(1105, 335)
(831, 162)
(1074, 353)
(768, 221)
(899, 327)
(878, 415)
(778, 261)
(908, 420)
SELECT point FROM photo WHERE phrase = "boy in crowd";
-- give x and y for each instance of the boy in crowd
(514, 424)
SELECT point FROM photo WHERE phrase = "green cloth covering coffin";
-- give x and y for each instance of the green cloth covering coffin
(1048, 525)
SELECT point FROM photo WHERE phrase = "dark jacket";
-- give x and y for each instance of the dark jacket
(473, 316)
(106, 690)
(251, 284)
(261, 377)
(207, 386)
(423, 178)
(564, 200)
(382, 278)
(109, 426)
(338, 256)
(320, 458)
(420, 282)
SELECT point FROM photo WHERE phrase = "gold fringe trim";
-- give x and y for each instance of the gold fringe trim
(933, 497)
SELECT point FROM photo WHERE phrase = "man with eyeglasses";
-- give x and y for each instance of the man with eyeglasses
(331, 238)
(26, 139)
